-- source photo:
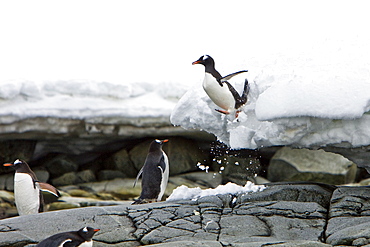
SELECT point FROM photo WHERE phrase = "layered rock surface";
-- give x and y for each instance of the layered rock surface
(287, 214)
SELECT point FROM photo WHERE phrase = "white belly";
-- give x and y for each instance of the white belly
(221, 96)
(26, 196)
(87, 244)
(164, 177)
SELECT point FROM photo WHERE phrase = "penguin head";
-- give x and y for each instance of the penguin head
(17, 164)
(206, 60)
(157, 145)
(87, 232)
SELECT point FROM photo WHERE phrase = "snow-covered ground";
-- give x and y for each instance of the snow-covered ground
(315, 97)
(185, 193)
(82, 99)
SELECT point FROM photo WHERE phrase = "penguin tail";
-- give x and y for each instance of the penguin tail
(244, 98)
(245, 91)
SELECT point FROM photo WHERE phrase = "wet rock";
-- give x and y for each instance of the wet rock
(310, 165)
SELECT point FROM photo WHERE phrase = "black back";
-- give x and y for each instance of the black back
(209, 65)
(152, 174)
(77, 238)
(22, 167)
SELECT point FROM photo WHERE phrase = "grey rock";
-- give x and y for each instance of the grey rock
(349, 220)
(42, 175)
(59, 165)
(74, 178)
(310, 165)
(293, 217)
(109, 175)
(292, 191)
(207, 179)
(189, 244)
(120, 161)
(183, 155)
(295, 243)
(114, 224)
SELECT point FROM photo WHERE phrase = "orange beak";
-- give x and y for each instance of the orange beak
(8, 164)
(166, 140)
(196, 62)
(96, 230)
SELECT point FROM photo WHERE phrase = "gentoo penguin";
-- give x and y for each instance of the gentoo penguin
(27, 189)
(221, 92)
(82, 237)
(155, 174)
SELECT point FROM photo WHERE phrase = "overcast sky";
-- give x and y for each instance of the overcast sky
(157, 40)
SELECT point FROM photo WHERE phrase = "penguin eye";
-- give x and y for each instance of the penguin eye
(157, 141)
(85, 229)
(205, 57)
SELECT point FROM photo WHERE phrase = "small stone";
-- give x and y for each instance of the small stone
(360, 242)
(60, 165)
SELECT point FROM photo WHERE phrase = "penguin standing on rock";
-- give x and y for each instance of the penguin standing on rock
(155, 173)
(82, 238)
(27, 189)
(221, 92)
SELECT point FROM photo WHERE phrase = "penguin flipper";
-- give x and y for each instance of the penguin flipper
(48, 188)
(228, 77)
(54, 241)
(233, 92)
(138, 175)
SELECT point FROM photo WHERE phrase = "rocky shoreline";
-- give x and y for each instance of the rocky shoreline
(284, 214)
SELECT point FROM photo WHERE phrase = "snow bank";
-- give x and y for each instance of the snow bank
(185, 193)
(79, 99)
(316, 97)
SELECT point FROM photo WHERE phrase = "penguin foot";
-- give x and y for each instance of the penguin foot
(222, 111)
(143, 201)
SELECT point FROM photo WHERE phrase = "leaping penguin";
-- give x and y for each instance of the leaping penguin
(82, 237)
(221, 92)
(27, 189)
(155, 173)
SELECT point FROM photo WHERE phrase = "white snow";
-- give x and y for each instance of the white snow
(82, 99)
(316, 97)
(308, 66)
(185, 193)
